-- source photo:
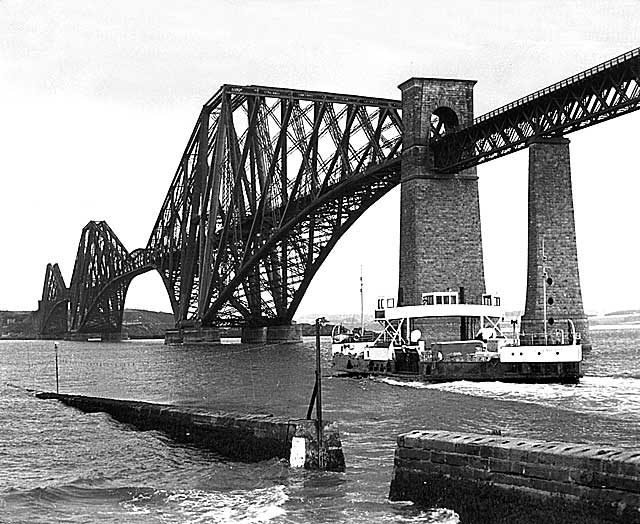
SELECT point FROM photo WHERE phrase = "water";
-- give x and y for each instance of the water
(60, 465)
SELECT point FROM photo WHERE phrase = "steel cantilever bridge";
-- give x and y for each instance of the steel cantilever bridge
(271, 179)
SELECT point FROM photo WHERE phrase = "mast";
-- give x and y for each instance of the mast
(361, 304)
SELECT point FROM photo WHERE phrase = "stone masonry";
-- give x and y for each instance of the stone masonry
(440, 236)
(551, 222)
(238, 436)
(495, 479)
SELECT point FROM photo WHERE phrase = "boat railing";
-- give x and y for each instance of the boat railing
(554, 338)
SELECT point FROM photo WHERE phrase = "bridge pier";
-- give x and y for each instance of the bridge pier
(192, 335)
(552, 244)
(440, 235)
(254, 335)
(94, 337)
(285, 334)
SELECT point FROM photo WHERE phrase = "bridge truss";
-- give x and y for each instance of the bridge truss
(272, 178)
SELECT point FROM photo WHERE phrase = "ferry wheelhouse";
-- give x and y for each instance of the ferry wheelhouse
(488, 353)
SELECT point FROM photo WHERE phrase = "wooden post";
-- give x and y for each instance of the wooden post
(319, 322)
(55, 347)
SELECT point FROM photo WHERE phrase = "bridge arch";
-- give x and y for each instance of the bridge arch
(444, 120)
(352, 198)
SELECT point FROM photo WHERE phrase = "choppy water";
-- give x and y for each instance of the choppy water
(60, 465)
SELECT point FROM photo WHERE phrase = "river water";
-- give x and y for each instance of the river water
(60, 465)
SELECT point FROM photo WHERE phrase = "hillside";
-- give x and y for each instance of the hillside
(139, 323)
(136, 323)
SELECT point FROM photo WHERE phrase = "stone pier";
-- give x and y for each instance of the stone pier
(494, 479)
(440, 236)
(289, 333)
(192, 335)
(94, 337)
(237, 436)
(553, 279)
(254, 335)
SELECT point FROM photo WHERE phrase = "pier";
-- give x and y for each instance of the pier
(246, 437)
(494, 479)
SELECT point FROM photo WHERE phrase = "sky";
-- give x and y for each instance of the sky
(98, 99)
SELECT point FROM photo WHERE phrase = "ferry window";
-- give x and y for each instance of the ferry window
(390, 302)
(438, 300)
(380, 303)
(486, 300)
(497, 300)
(454, 299)
(429, 300)
(446, 299)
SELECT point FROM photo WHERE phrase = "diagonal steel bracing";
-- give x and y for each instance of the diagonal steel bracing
(271, 179)
(101, 276)
(600, 93)
(53, 307)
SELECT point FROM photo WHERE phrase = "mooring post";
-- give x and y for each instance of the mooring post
(55, 347)
(319, 322)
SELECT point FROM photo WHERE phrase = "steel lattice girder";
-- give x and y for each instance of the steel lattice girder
(271, 178)
(52, 309)
(258, 161)
(101, 276)
(603, 92)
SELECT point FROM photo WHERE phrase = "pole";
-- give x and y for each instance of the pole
(55, 347)
(361, 304)
(319, 429)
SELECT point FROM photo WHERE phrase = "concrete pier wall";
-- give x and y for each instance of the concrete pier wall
(237, 436)
(491, 479)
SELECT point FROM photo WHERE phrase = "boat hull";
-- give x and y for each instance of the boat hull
(449, 371)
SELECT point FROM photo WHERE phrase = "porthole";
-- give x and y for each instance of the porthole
(551, 321)
(550, 301)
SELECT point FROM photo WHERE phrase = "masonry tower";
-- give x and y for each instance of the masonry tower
(440, 237)
(553, 280)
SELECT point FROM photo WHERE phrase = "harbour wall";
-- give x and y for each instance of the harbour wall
(494, 479)
(237, 436)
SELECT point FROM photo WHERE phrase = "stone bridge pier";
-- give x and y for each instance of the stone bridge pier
(553, 280)
(440, 233)
(440, 236)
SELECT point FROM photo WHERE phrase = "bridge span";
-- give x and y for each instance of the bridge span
(271, 179)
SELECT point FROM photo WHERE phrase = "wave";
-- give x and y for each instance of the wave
(196, 506)
(429, 516)
(190, 506)
(619, 395)
(613, 327)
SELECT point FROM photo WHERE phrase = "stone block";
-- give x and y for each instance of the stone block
(414, 454)
(455, 459)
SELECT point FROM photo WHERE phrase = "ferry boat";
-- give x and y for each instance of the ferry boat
(489, 354)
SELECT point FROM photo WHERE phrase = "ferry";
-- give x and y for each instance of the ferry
(489, 354)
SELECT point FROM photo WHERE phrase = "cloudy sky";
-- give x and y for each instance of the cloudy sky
(98, 99)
